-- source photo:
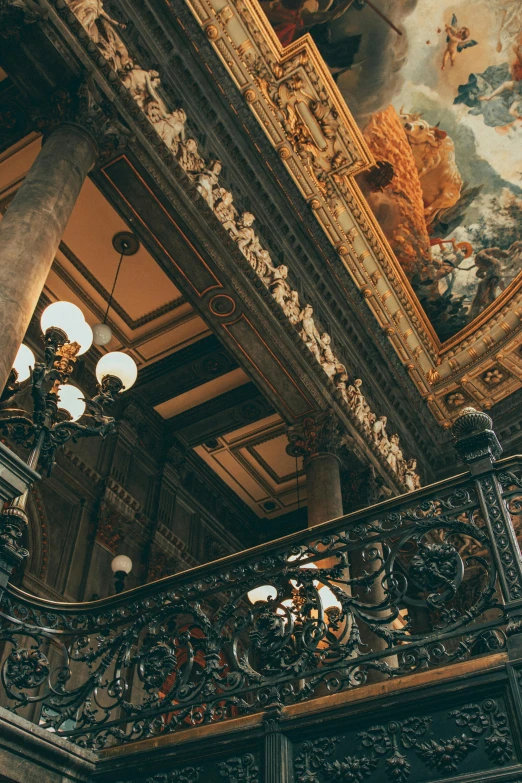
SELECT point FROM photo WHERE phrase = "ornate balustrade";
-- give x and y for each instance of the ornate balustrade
(428, 578)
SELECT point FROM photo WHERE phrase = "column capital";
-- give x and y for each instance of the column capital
(315, 435)
(90, 113)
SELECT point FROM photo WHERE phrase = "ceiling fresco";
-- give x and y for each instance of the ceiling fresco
(436, 89)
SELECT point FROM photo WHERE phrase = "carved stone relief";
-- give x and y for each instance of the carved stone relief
(339, 154)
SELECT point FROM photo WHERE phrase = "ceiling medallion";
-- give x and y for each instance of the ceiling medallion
(222, 305)
(126, 243)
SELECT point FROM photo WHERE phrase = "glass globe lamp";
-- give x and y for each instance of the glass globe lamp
(117, 365)
(121, 563)
(263, 593)
(70, 399)
(84, 337)
(121, 567)
(23, 363)
(66, 317)
(102, 334)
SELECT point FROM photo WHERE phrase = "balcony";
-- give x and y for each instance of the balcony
(415, 592)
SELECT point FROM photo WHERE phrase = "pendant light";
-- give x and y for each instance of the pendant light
(126, 244)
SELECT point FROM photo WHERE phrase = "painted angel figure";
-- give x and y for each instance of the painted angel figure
(457, 39)
(496, 93)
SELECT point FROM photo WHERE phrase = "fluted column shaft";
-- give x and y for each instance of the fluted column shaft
(32, 228)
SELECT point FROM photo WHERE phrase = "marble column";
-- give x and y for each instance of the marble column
(32, 228)
(317, 440)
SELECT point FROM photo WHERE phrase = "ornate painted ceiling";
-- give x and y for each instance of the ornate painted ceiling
(403, 134)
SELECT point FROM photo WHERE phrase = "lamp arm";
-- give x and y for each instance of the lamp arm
(63, 431)
(19, 428)
(11, 388)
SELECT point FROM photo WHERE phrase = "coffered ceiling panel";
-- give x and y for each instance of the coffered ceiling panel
(253, 461)
(142, 287)
(203, 393)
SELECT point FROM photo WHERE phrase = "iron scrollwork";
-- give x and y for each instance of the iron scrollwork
(202, 647)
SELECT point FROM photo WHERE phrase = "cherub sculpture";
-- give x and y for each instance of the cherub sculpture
(263, 265)
(189, 157)
(88, 13)
(246, 236)
(411, 477)
(278, 284)
(380, 436)
(207, 180)
(292, 308)
(394, 453)
(143, 85)
(225, 210)
(329, 361)
(309, 334)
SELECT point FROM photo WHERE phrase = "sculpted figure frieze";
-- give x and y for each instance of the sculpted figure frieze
(224, 209)
(287, 100)
(102, 30)
(208, 181)
(142, 85)
(189, 157)
(169, 125)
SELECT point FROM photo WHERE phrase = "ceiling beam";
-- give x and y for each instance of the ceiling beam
(220, 416)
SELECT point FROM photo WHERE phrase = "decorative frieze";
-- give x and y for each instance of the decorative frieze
(240, 769)
(339, 156)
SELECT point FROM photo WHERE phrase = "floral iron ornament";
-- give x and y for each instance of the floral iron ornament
(272, 627)
(386, 752)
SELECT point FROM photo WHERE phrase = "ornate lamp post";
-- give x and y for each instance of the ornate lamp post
(57, 406)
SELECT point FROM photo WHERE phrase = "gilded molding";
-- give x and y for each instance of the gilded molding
(298, 105)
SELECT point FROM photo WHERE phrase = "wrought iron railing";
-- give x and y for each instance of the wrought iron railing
(425, 579)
